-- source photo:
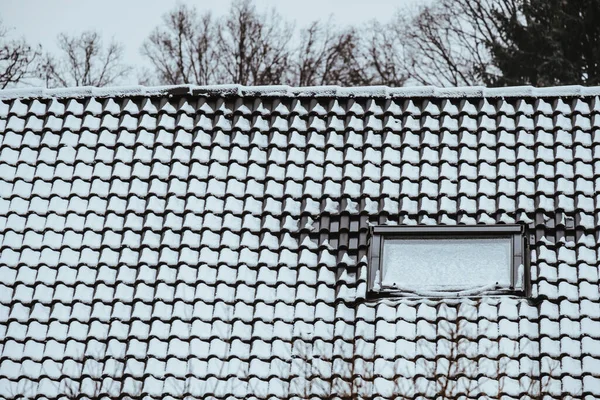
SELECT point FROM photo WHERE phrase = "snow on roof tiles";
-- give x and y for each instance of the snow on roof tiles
(283, 91)
(211, 241)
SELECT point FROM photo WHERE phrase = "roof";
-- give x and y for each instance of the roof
(312, 91)
(211, 242)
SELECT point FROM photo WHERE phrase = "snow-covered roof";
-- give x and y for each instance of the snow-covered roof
(314, 91)
(211, 241)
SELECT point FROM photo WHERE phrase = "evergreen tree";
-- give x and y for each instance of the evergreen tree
(548, 42)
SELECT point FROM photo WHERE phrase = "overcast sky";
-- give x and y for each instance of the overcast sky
(131, 21)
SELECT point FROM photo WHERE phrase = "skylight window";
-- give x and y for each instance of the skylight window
(448, 260)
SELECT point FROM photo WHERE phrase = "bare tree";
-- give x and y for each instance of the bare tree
(386, 51)
(313, 61)
(253, 47)
(183, 50)
(327, 55)
(84, 61)
(249, 47)
(447, 42)
(16, 59)
(244, 47)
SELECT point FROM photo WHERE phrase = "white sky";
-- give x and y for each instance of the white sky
(131, 21)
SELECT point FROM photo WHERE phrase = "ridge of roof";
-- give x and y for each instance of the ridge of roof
(311, 91)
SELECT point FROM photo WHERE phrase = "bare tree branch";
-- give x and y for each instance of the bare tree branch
(386, 52)
(328, 55)
(244, 47)
(183, 50)
(253, 47)
(447, 42)
(16, 59)
(84, 62)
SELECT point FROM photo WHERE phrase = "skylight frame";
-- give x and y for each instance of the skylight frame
(520, 255)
